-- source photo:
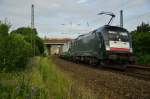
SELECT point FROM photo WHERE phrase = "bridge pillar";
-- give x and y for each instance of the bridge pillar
(49, 48)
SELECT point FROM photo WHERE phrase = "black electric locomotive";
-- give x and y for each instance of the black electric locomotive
(107, 44)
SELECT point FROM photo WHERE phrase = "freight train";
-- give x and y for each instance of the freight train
(105, 45)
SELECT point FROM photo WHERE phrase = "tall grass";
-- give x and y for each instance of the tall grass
(41, 80)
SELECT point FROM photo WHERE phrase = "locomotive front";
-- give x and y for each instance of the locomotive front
(118, 44)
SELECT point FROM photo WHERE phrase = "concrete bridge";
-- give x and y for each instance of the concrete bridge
(54, 45)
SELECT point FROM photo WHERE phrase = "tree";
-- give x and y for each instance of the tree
(18, 51)
(14, 49)
(141, 38)
(141, 43)
(4, 28)
(26, 31)
(30, 36)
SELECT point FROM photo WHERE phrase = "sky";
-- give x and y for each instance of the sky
(70, 18)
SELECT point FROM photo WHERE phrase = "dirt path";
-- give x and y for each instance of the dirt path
(106, 84)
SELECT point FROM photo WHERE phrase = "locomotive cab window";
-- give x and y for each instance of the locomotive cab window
(118, 36)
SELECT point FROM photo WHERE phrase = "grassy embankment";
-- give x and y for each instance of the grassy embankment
(41, 80)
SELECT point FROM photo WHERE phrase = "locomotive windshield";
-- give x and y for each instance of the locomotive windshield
(118, 36)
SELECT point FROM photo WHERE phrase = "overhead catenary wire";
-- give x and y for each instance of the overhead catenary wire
(137, 17)
(123, 6)
(126, 5)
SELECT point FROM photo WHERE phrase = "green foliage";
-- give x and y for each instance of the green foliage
(14, 52)
(141, 43)
(143, 58)
(30, 36)
(39, 44)
(18, 46)
(26, 31)
(19, 49)
(41, 80)
(4, 28)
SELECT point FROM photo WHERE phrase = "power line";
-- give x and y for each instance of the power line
(137, 17)
(124, 5)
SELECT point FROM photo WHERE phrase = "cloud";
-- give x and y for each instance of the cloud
(82, 1)
(50, 14)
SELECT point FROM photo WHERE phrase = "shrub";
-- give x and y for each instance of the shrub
(141, 40)
(14, 49)
(143, 59)
(30, 36)
(4, 28)
(16, 53)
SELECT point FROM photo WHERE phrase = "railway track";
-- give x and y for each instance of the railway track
(133, 83)
(136, 72)
(139, 67)
(139, 72)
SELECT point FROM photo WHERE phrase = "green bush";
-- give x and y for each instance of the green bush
(3, 43)
(19, 51)
(18, 46)
(4, 28)
(30, 36)
(141, 40)
(143, 59)
(15, 52)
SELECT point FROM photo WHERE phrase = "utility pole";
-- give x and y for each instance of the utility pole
(32, 16)
(121, 18)
(32, 26)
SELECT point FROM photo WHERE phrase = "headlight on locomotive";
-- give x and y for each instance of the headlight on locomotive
(131, 50)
